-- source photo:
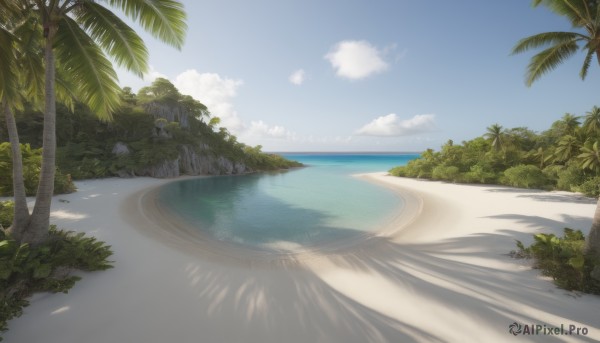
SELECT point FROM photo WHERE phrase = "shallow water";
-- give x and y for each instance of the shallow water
(304, 207)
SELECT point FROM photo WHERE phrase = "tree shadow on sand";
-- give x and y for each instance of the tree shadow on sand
(301, 304)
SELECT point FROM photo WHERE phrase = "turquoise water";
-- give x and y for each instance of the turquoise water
(304, 207)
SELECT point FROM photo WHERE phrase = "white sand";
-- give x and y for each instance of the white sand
(443, 276)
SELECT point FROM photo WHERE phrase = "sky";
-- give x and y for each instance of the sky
(357, 75)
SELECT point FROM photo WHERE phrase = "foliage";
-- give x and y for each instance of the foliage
(563, 259)
(31, 169)
(590, 187)
(6, 213)
(47, 268)
(446, 173)
(154, 125)
(525, 176)
(564, 157)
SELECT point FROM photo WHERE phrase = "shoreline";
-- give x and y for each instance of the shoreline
(143, 211)
(442, 277)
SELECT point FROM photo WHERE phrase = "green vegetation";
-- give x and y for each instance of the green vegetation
(564, 157)
(564, 259)
(31, 170)
(156, 125)
(48, 267)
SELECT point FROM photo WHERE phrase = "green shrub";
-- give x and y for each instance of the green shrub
(570, 177)
(25, 270)
(590, 187)
(525, 176)
(6, 213)
(398, 171)
(563, 259)
(446, 173)
(32, 159)
(480, 174)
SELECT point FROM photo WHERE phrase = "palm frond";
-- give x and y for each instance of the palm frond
(549, 59)
(119, 40)
(547, 38)
(164, 19)
(586, 63)
(577, 11)
(7, 56)
(88, 68)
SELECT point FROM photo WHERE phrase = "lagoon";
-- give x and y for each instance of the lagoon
(319, 204)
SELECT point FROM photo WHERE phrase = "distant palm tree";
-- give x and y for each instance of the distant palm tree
(590, 157)
(567, 147)
(584, 15)
(496, 135)
(569, 123)
(77, 37)
(592, 121)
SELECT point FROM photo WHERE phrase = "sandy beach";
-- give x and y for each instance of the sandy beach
(440, 272)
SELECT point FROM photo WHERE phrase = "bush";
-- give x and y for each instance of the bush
(525, 176)
(480, 174)
(564, 260)
(590, 188)
(6, 213)
(25, 270)
(32, 159)
(569, 177)
(447, 173)
(398, 171)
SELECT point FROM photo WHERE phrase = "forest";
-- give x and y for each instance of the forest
(153, 133)
(564, 157)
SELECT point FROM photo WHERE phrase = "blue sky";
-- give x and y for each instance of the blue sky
(349, 75)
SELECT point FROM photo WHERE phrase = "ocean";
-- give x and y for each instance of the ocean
(304, 207)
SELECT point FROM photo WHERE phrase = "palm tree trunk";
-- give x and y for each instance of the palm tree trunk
(592, 243)
(37, 231)
(21, 212)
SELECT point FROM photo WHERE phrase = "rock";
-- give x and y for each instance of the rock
(165, 169)
(120, 148)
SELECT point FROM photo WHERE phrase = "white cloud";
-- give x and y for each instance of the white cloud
(215, 92)
(259, 129)
(391, 125)
(298, 77)
(153, 74)
(356, 59)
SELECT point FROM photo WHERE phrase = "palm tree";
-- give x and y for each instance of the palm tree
(496, 135)
(569, 123)
(590, 157)
(21, 62)
(584, 15)
(77, 37)
(592, 122)
(567, 147)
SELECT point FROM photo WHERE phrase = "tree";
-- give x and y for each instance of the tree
(569, 123)
(584, 15)
(494, 133)
(567, 147)
(77, 37)
(19, 78)
(591, 125)
(590, 157)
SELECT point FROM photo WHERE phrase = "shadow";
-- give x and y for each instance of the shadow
(464, 299)
(553, 197)
(546, 225)
(462, 289)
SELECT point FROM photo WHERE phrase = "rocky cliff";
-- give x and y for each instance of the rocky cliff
(191, 161)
